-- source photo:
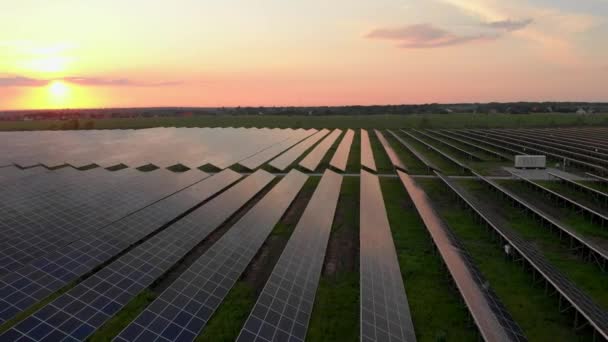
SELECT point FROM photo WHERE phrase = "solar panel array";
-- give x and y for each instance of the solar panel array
(257, 160)
(392, 155)
(84, 308)
(45, 275)
(163, 147)
(313, 159)
(188, 304)
(385, 313)
(283, 309)
(283, 161)
(56, 209)
(340, 158)
(367, 156)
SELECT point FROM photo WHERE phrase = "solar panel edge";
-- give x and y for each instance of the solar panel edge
(314, 157)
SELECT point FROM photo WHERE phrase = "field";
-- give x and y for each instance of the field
(470, 248)
(333, 121)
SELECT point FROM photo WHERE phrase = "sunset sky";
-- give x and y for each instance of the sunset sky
(137, 53)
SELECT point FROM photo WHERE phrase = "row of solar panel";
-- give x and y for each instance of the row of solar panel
(162, 233)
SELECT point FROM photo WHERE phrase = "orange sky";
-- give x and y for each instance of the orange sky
(70, 53)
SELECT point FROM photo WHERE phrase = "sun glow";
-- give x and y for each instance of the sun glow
(58, 89)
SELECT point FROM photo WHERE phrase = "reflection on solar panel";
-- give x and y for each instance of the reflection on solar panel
(48, 274)
(163, 147)
(367, 156)
(81, 203)
(188, 304)
(13, 173)
(385, 312)
(313, 159)
(479, 303)
(84, 308)
(257, 160)
(287, 158)
(340, 159)
(283, 309)
(392, 155)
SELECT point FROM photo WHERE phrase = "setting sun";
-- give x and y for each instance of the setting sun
(58, 89)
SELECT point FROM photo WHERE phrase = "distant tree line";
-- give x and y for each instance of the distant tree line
(435, 108)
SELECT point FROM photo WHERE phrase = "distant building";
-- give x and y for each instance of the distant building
(581, 111)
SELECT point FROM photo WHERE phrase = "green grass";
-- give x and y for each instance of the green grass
(532, 309)
(331, 121)
(335, 315)
(437, 311)
(586, 275)
(229, 318)
(125, 316)
(413, 164)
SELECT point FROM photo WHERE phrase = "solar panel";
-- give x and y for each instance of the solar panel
(48, 274)
(392, 155)
(480, 303)
(193, 298)
(313, 159)
(287, 158)
(257, 160)
(385, 313)
(68, 214)
(283, 309)
(84, 308)
(340, 159)
(367, 156)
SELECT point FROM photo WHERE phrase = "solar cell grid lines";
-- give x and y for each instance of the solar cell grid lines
(284, 160)
(80, 211)
(257, 160)
(384, 309)
(200, 290)
(47, 274)
(283, 309)
(474, 296)
(83, 309)
(313, 159)
(367, 156)
(392, 155)
(340, 158)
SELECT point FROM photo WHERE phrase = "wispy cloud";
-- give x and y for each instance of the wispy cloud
(19, 81)
(125, 82)
(508, 25)
(421, 36)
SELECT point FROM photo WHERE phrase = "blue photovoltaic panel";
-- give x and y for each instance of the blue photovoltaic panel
(283, 309)
(47, 274)
(83, 309)
(200, 290)
(385, 313)
(48, 220)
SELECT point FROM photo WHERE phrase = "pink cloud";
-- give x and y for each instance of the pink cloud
(421, 36)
